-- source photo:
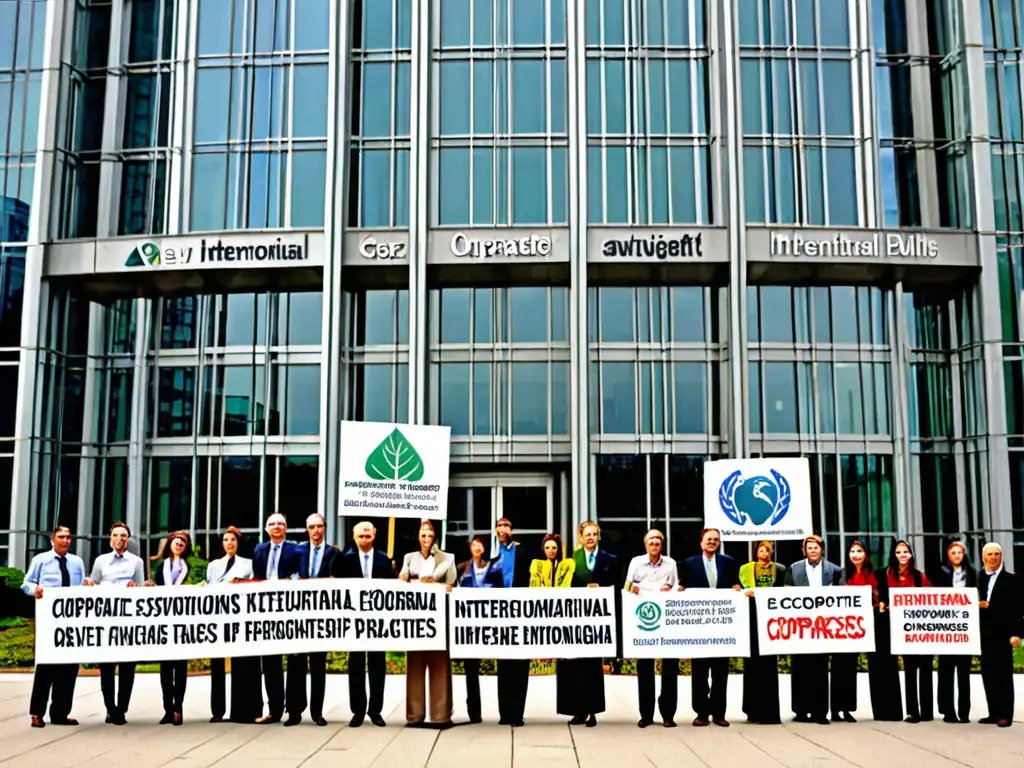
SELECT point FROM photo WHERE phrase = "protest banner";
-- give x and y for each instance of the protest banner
(752, 499)
(694, 624)
(86, 625)
(523, 623)
(393, 470)
(798, 620)
(931, 622)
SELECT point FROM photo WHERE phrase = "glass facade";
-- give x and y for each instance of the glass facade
(656, 149)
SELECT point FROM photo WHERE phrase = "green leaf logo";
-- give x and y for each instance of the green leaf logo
(145, 255)
(395, 459)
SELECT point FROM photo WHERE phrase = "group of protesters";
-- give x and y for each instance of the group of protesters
(822, 684)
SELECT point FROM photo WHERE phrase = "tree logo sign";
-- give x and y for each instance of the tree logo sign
(393, 470)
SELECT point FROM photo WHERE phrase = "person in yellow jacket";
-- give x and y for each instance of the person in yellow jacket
(554, 570)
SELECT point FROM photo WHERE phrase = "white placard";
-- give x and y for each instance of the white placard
(932, 621)
(393, 470)
(524, 623)
(694, 624)
(799, 620)
(87, 625)
(749, 499)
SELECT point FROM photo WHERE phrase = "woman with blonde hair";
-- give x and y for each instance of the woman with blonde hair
(172, 572)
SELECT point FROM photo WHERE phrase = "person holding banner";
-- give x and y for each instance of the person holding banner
(859, 572)
(513, 674)
(316, 558)
(655, 572)
(956, 573)
(123, 569)
(710, 569)
(553, 570)
(999, 598)
(429, 565)
(364, 562)
(273, 560)
(902, 573)
(809, 673)
(172, 572)
(761, 673)
(246, 699)
(480, 573)
(54, 569)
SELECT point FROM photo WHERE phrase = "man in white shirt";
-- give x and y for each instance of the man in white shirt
(118, 568)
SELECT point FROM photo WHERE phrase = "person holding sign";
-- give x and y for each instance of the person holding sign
(1002, 625)
(122, 569)
(364, 562)
(957, 573)
(273, 560)
(513, 674)
(710, 569)
(172, 572)
(859, 572)
(316, 558)
(53, 570)
(480, 573)
(554, 570)
(428, 566)
(655, 572)
(246, 701)
(902, 573)
(761, 673)
(809, 676)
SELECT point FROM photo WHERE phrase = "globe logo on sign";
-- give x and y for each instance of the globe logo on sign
(757, 500)
(648, 616)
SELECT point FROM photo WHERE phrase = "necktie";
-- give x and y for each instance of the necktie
(709, 566)
(230, 565)
(272, 565)
(590, 560)
(366, 565)
(314, 563)
(65, 575)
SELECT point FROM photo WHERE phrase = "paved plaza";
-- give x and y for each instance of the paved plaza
(546, 741)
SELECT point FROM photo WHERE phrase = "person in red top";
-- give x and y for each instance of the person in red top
(903, 573)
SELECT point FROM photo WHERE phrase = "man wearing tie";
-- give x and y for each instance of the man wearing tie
(1002, 624)
(119, 568)
(273, 560)
(364, 562)
(316, 558)
(709, 570)
(52, 570)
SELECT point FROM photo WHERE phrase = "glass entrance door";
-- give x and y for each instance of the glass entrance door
(477, 502)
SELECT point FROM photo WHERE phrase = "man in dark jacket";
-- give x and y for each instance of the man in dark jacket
(513, 674)
(957, 573)
(1001, 610)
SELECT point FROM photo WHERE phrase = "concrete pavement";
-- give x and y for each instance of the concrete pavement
(546, 741)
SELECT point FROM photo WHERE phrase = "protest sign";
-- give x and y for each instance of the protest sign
(930, 621)
(523, 623)
(751, 499)
(393, 470)
(107, 624)
(695, 624)
(815, 620)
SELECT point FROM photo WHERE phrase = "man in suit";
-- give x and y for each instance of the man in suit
(52, 570)
(364, 562)
(316, 558)
(1002, 624)
(513, 674)
(957, 573)
(709, 570)
(272, 561)
(809, 678)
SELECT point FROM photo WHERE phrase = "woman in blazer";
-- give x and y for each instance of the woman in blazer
(761, 673)
(171, 571)
(917, 670)
(957, 573)
(480, 573)
(246, 695)
(428, 566)
(554, 570)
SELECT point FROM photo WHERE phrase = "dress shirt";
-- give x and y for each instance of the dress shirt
(273, 561)
(315, 553)
(112, 568)
(992, 576)
(45, 572)
(813, 574)
(959, 578)
(218, 571)
(366, 563)
(711, 569)
(651, 577)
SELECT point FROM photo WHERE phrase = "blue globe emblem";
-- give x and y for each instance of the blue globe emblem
(757, 500)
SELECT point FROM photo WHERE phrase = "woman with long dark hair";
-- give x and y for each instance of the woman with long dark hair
(903, 573)
(957, 573)
(172, 570)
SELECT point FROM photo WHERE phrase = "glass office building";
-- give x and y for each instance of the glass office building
(603, 240)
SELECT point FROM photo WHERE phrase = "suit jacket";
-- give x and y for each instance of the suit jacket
(540, 573)
(467, 578)
(348, 565)
(607, 569)
(162, 577)
(692, 573)
(831, 574)
(944, 576)
(287, 566)
(521, 571)
(1004, 617)
(305, 551)
(747, 575)
(240, 569)
(442, 572)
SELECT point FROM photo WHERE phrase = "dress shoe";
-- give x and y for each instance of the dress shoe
(578, 720)
(378, 721)
(849, 718)
(356, 721)
(517, 723)
(988, 720)
(644, 723)
(320, 721)
(444, 726)
(911, 719)
(37, 722)
(965, 719)
(64, 721)
(821, 721)
(268, 719)
(950, 719)
(700, 722)
(167, 719)
(217, 719)
(801, 719)
(1003, 723)
(475, 719)
(178, 719)
(292, 720)
(721, 722)
(669, 723)
(117, 718)
(592, 721)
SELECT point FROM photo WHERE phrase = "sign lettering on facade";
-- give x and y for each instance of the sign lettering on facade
(874, 245)
(655, 246)
(150, 254)
(464, 246)
(371, 248)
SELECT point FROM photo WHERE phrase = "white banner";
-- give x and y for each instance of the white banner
(88, 625)
(931, 621)
(695, 624)
(524, 623)
(393, 470)
(758, 498)
(800, 620)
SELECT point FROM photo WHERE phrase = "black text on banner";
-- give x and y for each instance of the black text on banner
(932, 621)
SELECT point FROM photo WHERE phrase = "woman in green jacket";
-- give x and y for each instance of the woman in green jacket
(761, 673)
